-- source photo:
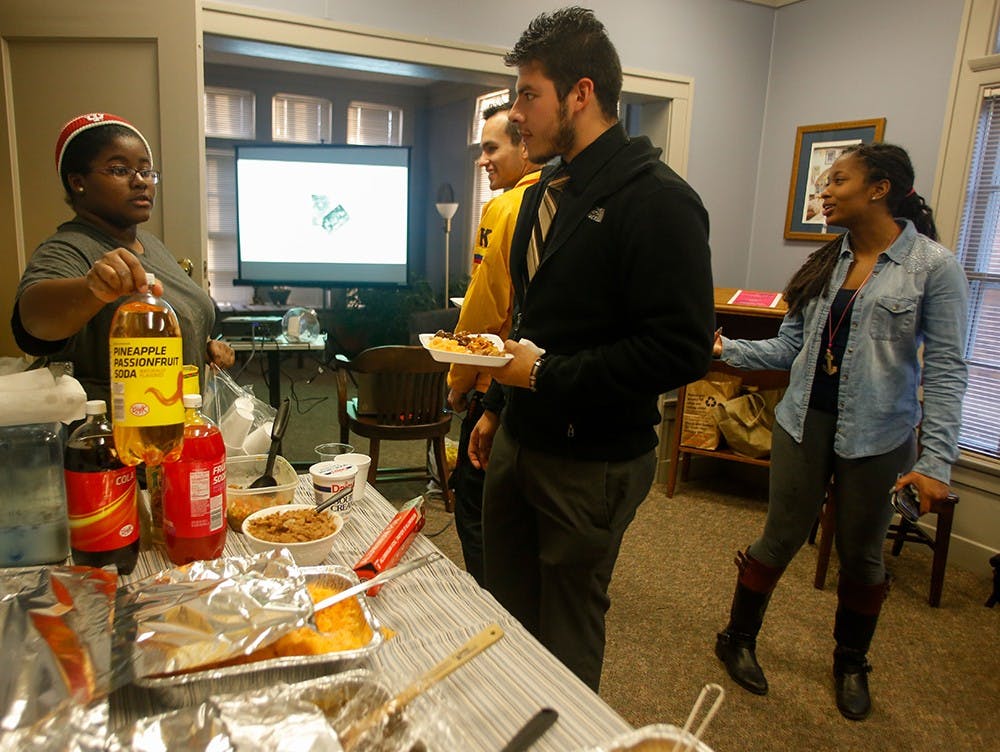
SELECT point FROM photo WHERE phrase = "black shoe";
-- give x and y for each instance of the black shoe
(850, 670)
(738, 654)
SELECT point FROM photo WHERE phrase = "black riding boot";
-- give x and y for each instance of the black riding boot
(736, 645)
(858, 609)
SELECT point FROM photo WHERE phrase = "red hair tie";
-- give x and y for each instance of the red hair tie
(911, 192)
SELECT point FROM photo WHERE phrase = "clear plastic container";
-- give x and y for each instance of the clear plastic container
(33, 526)
(244, 501)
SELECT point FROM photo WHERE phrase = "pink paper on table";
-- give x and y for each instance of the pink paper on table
(755, 298)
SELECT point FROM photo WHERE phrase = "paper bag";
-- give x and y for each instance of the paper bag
(746, 422)
(699, 429)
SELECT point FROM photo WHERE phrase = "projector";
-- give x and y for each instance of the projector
(251, 327)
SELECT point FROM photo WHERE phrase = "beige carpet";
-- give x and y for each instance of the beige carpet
(936, 679)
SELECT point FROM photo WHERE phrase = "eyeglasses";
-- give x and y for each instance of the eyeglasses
(128, 173)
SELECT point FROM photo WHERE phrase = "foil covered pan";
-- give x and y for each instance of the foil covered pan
(306, 715)
(181, 690)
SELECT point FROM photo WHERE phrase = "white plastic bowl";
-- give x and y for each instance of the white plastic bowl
(305, 554)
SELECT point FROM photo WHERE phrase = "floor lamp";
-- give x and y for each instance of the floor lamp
(447, 210)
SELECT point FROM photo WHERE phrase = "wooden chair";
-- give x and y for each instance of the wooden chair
(401, 397)
(900, 533)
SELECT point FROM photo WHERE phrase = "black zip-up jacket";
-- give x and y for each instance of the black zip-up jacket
(622, 302)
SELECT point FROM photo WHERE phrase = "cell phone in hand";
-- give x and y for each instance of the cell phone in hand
(906, 501)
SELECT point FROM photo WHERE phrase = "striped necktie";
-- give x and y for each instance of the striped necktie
(546, 214)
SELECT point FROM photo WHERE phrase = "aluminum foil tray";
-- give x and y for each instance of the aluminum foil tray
(192, 688)
(333, 693)
(272, 718)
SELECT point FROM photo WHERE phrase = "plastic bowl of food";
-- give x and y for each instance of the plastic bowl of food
(306, 533)
(242, 501)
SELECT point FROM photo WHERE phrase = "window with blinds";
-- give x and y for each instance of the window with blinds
(220, 180)
(229, 113)
(301, 119)
(481, 193)
(979, 251)
(374, 124)
(483, 103)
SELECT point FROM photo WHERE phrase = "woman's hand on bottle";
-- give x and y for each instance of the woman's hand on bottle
(118, 273)
(930, 490)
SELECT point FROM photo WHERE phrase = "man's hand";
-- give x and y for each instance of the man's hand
(481, 439)
(117, 273)
(219, 353)
(517, 370)
(929, 489)
(457, 401)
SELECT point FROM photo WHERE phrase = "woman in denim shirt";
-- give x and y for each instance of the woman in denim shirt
(859, 310)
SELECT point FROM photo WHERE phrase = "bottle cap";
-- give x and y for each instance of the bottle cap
(192, 400)
(96, 407)
(150, 279)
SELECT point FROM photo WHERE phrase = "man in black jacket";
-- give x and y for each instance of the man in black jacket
(613, 306)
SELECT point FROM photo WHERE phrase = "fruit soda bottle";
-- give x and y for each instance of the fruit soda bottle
(194, 490)
(100, 496)
(154, 473)
(146, 380)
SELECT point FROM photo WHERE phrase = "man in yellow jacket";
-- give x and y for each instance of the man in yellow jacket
(487, 309)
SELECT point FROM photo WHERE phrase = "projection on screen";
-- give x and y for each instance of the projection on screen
(322, 216)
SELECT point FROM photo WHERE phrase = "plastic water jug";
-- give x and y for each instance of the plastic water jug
(33, 525)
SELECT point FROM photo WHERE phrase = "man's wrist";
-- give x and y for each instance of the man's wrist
(536, 368)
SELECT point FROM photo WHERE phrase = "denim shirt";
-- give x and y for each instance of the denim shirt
(918, 294)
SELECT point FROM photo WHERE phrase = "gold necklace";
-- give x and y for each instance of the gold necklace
(832, 330)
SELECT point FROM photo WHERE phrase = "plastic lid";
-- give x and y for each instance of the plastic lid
(192, 400)
(96, 407)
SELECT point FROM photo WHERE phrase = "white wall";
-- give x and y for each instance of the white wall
(723, 44)
(849, 60)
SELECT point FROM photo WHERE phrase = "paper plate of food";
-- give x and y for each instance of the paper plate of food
(465, 348)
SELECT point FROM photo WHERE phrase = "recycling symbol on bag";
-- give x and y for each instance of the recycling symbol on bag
(710, 401)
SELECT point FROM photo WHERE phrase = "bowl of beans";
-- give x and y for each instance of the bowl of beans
(306, 533)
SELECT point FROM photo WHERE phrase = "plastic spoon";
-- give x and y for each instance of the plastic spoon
(267, 480)
(352, 735)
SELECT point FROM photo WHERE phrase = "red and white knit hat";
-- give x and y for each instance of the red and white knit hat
(81, 123)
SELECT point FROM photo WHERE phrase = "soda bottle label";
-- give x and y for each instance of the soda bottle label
(205, 499)
(147, 381)
(103, 515)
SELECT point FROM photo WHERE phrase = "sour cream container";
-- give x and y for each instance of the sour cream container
(330, 478)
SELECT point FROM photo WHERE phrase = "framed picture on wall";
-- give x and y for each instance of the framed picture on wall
(816, 149)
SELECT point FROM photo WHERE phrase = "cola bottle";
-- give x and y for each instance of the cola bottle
(100, 496)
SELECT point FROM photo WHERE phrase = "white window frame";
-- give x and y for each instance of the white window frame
(483, 103)
(221, 255)
(356, 129)
(316, 129)
(977, 71)
(480, 193)
(243, 123)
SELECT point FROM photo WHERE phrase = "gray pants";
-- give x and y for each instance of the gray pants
(552, 528)
(799, 477)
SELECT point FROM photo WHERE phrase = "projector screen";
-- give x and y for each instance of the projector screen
(322, 216)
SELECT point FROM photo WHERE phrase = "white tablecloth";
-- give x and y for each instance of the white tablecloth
(434, 610)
